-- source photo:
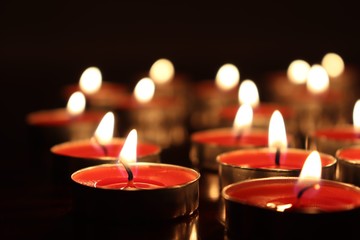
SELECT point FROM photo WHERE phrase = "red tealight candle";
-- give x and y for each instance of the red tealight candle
(101, 148)
(349, 164)
(99, 93)
(285, 203)
(329, 140)
(139, 190)
(208, 144)
(53, 126)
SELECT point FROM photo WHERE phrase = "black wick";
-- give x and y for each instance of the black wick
(104, 149)
(128, 170)
(302, 191)
(277, 157)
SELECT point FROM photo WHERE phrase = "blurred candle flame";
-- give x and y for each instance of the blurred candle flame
(356, 116)
(90, 80)
(333, 64)
(162, 71)
(243, 119)
(248, 93)
(76, 104)
(318, 79)
(144, 90)
(297, 71)
(227, 77)
(277, 131)
(105, 130)
(128, 151)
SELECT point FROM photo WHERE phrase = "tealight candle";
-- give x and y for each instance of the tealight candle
(102, 148)
(53, 126)
(210, 96)
(349, 164)
(145, 191)
(285, 203)
(330, 139)
(99, 94)
(206, 145)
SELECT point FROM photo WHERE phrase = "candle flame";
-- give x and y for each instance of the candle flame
(311, 170)
(76, 104)
(128, 151)
(243, 119)
(248, 93)
(297, 71)
(90, 80)
(318, 79)
(277, 131)
(144, 90)
(105, 130)
(162, 71)
(356, 116)
(333, 64)
(227, 77)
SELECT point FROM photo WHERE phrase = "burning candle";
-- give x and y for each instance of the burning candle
(158, 119)
(101, 148)
(285, 203)
(210, 96)
(330, 139)
(206, 145)
(53, 126)
(249, 94)
(98, 93)
(349, 164)
(145, 191)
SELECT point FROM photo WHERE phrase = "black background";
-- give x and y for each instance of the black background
(45, 45)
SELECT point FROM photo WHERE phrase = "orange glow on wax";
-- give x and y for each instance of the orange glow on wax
(90, 80)
(318, 79)
(162, 71)
(333, 64)
(105, 130)
(144, 90)
(76, 104)
(356, 116)
(297, 71)
(248, 93)
(243, 120)
(227, 77)
(277, 131)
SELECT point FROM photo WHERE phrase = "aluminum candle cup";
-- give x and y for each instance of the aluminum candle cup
(329, 140)
(349, 164)
(240, 165)
(256, 209)
(71, 156)
(160, 192)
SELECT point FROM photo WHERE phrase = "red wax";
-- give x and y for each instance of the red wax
(263, 110)
(332, 196)
(226, 137)
(351, 154)
(346, 132)
(90, 149)
(146, 176)
(60, 117)
(265, 158)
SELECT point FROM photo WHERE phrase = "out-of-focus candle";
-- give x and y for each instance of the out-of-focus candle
(349, 164)
(289, 202)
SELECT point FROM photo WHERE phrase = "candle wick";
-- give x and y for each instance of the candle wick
(103, 147)
(128, 171)
(277, 157)
(303, 190)
(309, 145)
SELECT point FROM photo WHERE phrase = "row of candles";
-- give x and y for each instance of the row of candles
(258, 174)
